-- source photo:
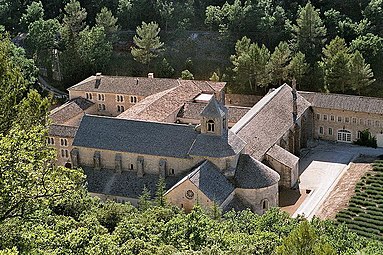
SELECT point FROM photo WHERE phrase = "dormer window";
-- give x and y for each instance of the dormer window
(210, 126)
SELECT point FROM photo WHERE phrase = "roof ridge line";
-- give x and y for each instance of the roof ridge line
(276, 91)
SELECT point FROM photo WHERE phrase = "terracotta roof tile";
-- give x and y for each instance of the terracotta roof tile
(163, 106)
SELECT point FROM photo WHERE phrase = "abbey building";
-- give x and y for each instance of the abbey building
(127, 132)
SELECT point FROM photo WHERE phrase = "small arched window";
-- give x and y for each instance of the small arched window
(265, 204)
(210, 126)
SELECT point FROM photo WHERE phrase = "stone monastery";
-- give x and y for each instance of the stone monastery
(127, 132)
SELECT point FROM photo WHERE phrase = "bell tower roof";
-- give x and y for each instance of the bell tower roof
(213, 109)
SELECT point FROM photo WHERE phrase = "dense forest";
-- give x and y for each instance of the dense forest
(329, 46)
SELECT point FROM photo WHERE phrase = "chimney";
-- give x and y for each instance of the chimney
(150, 75)
(98, 80)
(295, 106)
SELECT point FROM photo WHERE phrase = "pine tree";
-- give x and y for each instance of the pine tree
(147, 43)
(106, 20)
(309, 33)
(298, 67)
(361, 75)
(74, 19)
(336, 66)
(279, 63)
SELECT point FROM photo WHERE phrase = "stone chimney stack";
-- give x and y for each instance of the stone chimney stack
(150, 75)
(295, 105)
(98, 80)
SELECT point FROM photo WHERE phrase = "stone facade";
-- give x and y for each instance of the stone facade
(63, 147)
(344, 126)
(129, 161)
(259, 200)
(108, 104)
(186, 195)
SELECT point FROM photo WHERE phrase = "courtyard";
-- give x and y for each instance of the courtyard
(321, 166)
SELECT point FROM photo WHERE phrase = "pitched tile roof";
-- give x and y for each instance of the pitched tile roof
(151, 138)
(62, 131)
(344, 102)
(217, 146)
(252, 174)
(208, 178)
(125, 184)
(69, 110)
(268, 120)
(141, 86)
(283, 156)
(163, 105)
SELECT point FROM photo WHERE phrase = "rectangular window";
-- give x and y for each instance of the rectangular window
(358, 134)
(339, 119)
(101, 107)
(353, 120)
(89, 96)
(332, 118)
(369, 122)
(360, 121)
(63, 142)
(330, 131)
(318, 116)
(347, 119)
(321, 130)
(101, 97)
(325, 117)
(377, 123)
(120, 108)
(64, 153)
(51, 140)
(120, 98)
(133, 99)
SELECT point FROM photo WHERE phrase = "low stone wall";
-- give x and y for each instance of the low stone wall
(241, 100)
